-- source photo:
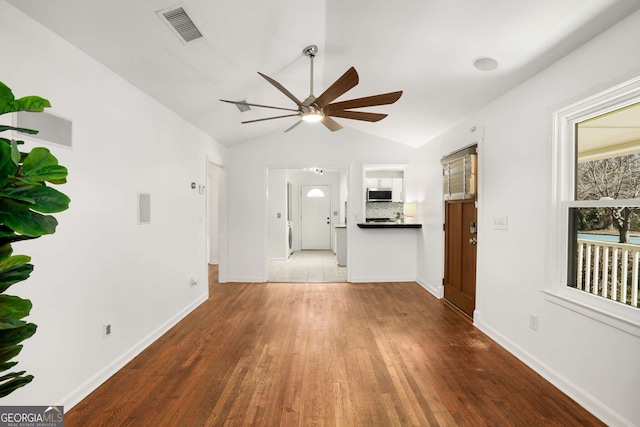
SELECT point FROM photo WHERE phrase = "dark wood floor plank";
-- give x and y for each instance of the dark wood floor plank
(326, 354)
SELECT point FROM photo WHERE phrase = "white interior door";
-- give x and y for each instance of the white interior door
(315, 216)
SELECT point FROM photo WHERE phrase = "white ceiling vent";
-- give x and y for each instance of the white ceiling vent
(180, 23)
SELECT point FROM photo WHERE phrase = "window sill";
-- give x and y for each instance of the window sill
(626, 319)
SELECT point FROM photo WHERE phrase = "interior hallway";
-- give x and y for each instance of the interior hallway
(326, 354)
(308, 266)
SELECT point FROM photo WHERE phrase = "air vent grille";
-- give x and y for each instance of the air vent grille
(179, 21)
(243, 107)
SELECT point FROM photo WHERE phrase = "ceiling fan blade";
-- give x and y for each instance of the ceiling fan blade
(331, 124)
(281, 89)
(357, 115)
(346, 82)
(270, 118)
(367, 101)
(294, 125)
(256, 105)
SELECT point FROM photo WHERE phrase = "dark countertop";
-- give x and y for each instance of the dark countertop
(388, 225)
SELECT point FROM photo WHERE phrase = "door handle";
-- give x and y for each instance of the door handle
(473, 240)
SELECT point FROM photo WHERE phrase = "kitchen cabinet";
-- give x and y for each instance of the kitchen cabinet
(397, 190)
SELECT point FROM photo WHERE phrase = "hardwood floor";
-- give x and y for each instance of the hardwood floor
(326, 354)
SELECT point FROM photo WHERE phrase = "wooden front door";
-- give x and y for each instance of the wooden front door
(461, 217)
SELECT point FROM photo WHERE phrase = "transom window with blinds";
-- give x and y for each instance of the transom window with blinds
(459, 174)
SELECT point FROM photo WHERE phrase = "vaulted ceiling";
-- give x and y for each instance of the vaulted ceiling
(424, 47)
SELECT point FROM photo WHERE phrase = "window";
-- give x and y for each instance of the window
(316, 192)
(596, 236)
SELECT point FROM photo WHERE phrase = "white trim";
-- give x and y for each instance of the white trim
(563, 181)
(247, 279)
(364, 279)
(585, 399)
(73, 398)
(615, 314)
(436, 291)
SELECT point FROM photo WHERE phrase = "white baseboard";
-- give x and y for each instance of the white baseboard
(585, 399)
(94, 382)
(437, 291)
(381, 279)
(246, 279)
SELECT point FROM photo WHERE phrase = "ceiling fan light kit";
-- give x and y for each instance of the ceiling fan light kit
(322, 108)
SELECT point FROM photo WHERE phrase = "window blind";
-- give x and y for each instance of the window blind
(459, 174)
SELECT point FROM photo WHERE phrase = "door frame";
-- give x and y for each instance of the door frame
(473, 136)
(220, 190)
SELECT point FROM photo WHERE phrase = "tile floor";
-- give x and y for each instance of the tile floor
(308, 266)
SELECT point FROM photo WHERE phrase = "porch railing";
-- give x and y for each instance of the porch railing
(609, 270)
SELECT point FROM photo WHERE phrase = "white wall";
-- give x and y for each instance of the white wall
(310, 145)
(595, 364)
(101, 266)
(277, 205)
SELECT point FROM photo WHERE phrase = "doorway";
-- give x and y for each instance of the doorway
(305, 207)
(315, 217)
(460, 229)
(215, 228)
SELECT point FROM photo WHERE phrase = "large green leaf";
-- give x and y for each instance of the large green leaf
(38, 158)
(14, 307)
(15, 238)
(6, 96)
(8, 236)
(22, 220)
(42, 199)
(11, 385)
(7, 166)
(54, 174)
(13, 332)
(14, 275)
(23, 130)
(15, 153)
(5, 250)
(8, 104)
(8, 353)
(8, 365)
(14, 261)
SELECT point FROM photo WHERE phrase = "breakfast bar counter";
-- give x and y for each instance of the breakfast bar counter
(390, 224)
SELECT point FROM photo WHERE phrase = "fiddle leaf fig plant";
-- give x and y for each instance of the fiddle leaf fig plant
(26, 199)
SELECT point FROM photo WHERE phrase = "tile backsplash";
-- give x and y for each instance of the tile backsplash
(383, 209)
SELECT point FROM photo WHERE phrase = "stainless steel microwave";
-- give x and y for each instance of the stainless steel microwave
(378, 194)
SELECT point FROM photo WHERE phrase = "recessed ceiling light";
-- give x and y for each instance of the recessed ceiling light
(485, 64)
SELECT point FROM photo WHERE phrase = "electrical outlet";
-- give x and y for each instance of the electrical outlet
(533, 321)
(194, 281)
(500, 223)
(106, 330)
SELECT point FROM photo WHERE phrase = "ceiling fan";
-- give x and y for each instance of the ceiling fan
(322, 108)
